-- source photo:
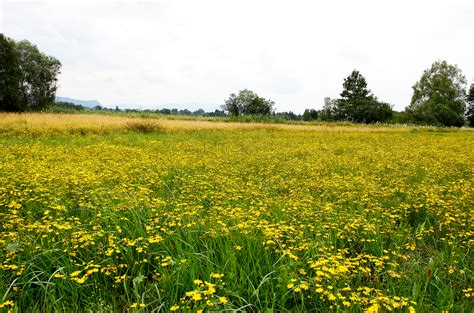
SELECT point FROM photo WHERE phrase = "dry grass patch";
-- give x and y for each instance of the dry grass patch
(48, 123)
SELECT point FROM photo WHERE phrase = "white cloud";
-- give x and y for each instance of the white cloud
(194, 53)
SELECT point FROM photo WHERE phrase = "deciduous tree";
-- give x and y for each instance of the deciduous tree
(470, 106)
(247, 102)
(10, 76)
(39, 77)
(438, 97)
(310, 115)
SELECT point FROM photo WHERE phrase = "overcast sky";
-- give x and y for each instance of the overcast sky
(193, 54)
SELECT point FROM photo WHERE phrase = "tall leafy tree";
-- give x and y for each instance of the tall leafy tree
(470, 106)
(247, 102)
(438, 97)
(233, 105)
(329, 110)
(39, 77)
(10, 76)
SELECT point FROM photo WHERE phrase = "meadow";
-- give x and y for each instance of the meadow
(103, 213)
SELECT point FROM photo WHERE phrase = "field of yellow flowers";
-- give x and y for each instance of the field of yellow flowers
(196, 216)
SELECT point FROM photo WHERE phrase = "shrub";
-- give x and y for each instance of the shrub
(141, 126)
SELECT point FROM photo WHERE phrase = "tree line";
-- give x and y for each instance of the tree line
(28, 80)
(68, 107)
(439, 98)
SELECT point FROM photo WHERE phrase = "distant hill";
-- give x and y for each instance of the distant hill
(84, 103)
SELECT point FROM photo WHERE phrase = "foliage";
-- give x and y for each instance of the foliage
(174, 112)
(438, 97)
(355, 87)
(400, 118)
(470, 106)
(31, 73)
(61, 106)
(357, 103)
(10, 76)
(246, 218)
(39, 76)
(310, 115)
(330, 109)
(247, 102)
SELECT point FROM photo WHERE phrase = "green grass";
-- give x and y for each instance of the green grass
(289, 217)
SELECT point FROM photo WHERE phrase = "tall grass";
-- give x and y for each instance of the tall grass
(58, 123)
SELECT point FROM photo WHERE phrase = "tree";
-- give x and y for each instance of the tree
(470, 106)
(328, 113)
(62, 106)
(438, 97)
(259, 106)
(199, 112)
(185, 112)
(310, 115)
(217, 113)
(247, 102)
(10, 76)
(165, 111)
(233, 105)
(39, 77)
(358, 104)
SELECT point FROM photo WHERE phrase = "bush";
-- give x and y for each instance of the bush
(145, 127)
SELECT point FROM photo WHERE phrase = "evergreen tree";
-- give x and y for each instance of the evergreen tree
(358, 104)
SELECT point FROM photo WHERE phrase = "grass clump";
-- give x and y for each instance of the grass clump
(144, 126)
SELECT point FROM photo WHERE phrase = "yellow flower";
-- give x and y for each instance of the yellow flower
(211, 290)
(196, 297)
(59, 275)
(137, 305)
(174, 308)
(223, 300)
(81, 280)
(304, 286)
(9, 303)
(373, 308)
(217, 276)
